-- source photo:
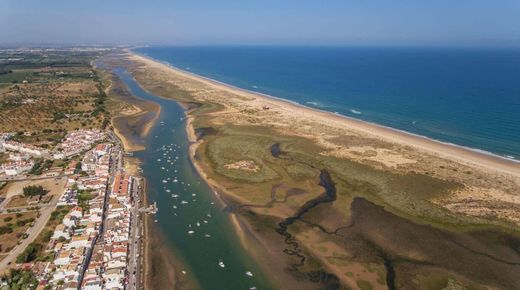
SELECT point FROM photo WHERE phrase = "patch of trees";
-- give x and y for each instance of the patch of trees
(5, 70)
(40, 165)
(18, 279)
(28, 255)
(59, 213)
(7, 105)
(58, 116)
(7, 229)
(99, 102)
(33, 190)
(83, 199)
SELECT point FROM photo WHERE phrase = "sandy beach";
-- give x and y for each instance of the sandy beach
(295, 111)
(479, 187)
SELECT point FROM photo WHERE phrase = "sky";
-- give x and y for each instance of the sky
(262, 22)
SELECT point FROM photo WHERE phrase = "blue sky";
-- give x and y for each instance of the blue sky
(319, 22)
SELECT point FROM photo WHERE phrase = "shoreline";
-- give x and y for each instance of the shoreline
(463, 154)
(241, 225)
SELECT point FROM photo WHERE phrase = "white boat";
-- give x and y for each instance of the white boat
(221, 264)
(248, 273)
(175, 180)
(184, 202)
(205, 221)
(191, 232)
(164, 181)
(207, 235)
(183, 272)
(175, 206)
(198, 224)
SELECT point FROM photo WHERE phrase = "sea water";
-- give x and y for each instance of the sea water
(468, 97)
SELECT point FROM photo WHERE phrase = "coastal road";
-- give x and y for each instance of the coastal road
(134, 262)
(134, 243)
(32, 232)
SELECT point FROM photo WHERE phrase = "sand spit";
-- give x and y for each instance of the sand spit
(443, 175)
(301, 114)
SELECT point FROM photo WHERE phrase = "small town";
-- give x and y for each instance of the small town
(70, 215)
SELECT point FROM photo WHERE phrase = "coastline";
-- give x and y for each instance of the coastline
(465, 155)
(242, 224)
(249, 91)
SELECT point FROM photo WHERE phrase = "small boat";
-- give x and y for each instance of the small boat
(175, 180)
(164, 181)
(168, 191)
(184, 202)
(205, 221)
(183, 272)
(207, 235)
(248, 273)
(252, 288)
(198, 224)
(191, 232)
(221, 264)
(175, 207)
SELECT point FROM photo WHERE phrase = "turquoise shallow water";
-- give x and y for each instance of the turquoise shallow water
(468, 97)
(187, 204)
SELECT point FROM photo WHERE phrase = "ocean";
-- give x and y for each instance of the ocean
(468, 97)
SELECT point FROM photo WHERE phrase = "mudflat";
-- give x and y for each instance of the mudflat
(394, 211)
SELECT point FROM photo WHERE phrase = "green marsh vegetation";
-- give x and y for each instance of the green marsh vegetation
(378, 217)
